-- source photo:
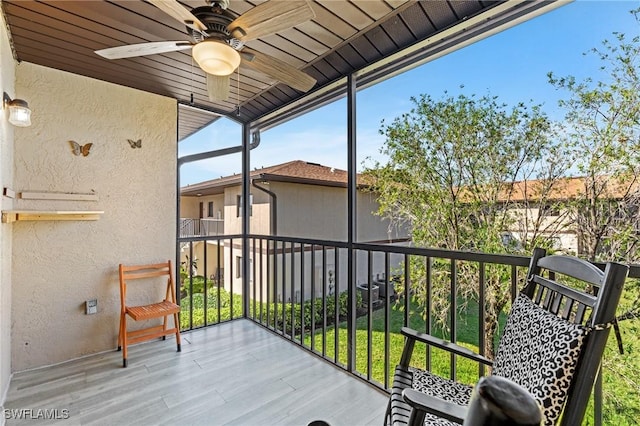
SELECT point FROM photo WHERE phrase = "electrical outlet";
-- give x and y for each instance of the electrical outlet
(91, 306)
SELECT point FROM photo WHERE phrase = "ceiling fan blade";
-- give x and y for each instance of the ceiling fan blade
(277, 69)
(269, 18)
(178, 12)
(142, 49)
(218, 87)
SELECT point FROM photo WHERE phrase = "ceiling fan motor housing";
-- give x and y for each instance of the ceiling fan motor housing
(217, 19)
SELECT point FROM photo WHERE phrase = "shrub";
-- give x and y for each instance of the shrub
(198, 311)
(291, 324)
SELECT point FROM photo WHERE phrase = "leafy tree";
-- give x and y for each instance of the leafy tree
(455, 174)
(603, 132)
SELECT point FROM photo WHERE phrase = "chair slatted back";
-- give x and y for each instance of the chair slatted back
(553, 293)
(137, 272)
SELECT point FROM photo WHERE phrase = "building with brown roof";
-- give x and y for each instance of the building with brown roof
(548, 208)
(293, 199)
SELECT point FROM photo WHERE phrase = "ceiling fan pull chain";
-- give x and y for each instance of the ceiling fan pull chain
(193, 85)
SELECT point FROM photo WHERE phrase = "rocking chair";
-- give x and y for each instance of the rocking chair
(551, 346)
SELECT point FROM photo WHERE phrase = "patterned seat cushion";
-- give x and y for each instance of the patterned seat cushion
(539, 351)
(440, 387)
(429, 384)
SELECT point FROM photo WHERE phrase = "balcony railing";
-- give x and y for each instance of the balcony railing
(200, 227)
(347, 305)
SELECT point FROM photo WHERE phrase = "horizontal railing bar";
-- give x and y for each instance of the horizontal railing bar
(209, 238)
(338, 244)
(505, 259)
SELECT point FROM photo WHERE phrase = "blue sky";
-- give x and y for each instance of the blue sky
(512, 65)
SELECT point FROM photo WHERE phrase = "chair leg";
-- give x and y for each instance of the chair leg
(177, 324)
(124, 341)
(387, 414)
(164, 326)
(120, 335)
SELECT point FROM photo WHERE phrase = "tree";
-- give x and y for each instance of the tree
(603, 132)
(454, 168)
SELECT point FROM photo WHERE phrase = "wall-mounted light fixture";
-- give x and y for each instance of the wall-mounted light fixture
(19, 112)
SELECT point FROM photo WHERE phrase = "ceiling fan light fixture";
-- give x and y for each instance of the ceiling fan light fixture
(216, 57)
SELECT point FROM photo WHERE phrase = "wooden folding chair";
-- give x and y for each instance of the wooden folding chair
(163, 309)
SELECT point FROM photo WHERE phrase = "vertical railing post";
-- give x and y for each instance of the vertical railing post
(190, 269)
(454, 311)
(387, 321)
(219, 276)
(369, 313)
(313, 297)
(482, 318)
(302, 283)
(246, 197)
(324, 300)
(205, 274)
(231, 278)
(271, 267)
(292, 296)
(428, 313)
(262, 283)
(352, 220)
(336, 300)
(253, 278)
(284, 288)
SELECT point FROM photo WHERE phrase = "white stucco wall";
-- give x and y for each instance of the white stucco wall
(7, 81)
(57, 265)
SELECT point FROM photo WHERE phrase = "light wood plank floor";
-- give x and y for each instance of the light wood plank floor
(235, 373)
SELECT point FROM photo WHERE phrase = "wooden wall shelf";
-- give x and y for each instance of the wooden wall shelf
(9, 216)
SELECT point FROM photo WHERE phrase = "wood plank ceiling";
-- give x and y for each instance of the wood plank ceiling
(345, 36)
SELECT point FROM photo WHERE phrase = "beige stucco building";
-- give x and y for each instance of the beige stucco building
(550, 209)
(295, 199)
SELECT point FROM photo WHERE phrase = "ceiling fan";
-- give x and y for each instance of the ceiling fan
(218, 38)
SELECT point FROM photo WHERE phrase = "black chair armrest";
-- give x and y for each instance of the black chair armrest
(446, 345)
(433, 405)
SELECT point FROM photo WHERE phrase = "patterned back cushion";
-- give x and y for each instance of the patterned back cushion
(539, 351)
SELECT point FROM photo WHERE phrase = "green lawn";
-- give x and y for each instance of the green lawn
(467, 371)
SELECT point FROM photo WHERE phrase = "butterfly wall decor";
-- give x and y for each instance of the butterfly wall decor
(78, 149)
(135, 144)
